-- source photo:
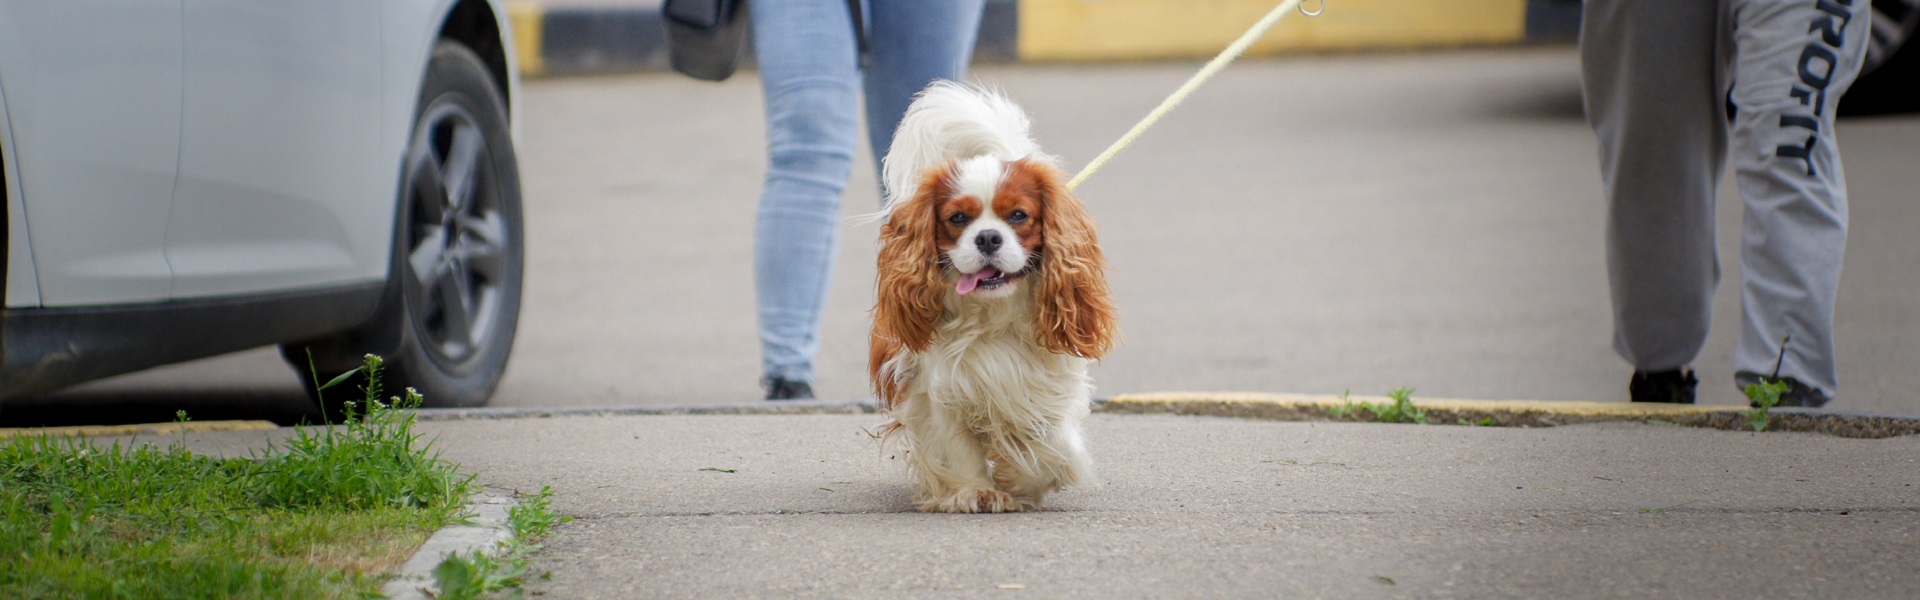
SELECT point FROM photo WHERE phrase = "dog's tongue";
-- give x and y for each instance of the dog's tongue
(969, 281)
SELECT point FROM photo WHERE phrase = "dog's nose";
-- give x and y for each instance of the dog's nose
(988, 241)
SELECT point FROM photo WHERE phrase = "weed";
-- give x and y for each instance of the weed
(1766, 394)
(534, 516)
(719, 470)
(1401, 410)
(374, 459)
(505, 567)
(1346, 409)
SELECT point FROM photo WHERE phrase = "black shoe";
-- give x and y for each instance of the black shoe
(786, 389)
(1671, 387)
(1797, 394)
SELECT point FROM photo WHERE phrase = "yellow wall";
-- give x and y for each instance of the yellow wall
(1068, 30)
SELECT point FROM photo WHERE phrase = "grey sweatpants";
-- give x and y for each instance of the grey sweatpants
(1657, 77)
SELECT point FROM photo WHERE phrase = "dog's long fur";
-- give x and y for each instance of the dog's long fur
(980, 349)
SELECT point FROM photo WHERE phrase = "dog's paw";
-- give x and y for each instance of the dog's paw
(976, 500)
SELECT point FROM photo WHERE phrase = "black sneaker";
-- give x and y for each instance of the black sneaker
(786, 389)
(1671, 387)
(1797, 394)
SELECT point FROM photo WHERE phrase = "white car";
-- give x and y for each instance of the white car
(186, 178)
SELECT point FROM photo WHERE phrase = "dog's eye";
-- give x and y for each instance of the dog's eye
(1018, 217)
(958, 219)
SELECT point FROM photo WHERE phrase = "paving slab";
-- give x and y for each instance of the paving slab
(810, 506)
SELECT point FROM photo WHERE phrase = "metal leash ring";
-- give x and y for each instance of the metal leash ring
(1316, 13)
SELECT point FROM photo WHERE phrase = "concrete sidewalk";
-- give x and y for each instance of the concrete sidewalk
(808, 505)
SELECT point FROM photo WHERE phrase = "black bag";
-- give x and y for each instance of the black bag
(704, 37)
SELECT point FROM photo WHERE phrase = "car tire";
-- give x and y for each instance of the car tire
(447, 323)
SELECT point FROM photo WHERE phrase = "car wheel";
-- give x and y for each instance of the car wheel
(453, 302)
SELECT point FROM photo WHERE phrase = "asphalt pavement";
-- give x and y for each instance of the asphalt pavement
(1311, 224)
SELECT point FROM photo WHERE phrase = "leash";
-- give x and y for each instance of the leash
(1214, 66)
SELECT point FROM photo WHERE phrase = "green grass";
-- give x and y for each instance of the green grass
(1401, 410)
(310, 517)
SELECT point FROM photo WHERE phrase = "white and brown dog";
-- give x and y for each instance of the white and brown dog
(992, 300)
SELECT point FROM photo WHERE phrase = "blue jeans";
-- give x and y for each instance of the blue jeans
(810, 72)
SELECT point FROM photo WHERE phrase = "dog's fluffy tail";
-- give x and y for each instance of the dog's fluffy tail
(954, 121)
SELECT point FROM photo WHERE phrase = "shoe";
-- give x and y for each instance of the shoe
(779, 388)
(1797, 394)
(1671, 387)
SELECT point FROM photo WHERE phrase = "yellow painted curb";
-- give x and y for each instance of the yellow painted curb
(1083, 30)
(1509, 413)
(1618, 410)
(142, 429)
(528, 20)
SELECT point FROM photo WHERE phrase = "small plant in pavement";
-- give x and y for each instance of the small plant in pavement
(1766, 394)
(1401, 410)
(505, 567)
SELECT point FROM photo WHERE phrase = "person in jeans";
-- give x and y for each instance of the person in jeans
(811, 70)
(1673, 89)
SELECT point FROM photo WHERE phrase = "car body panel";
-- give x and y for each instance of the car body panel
(20, 285)
(282, 97)
(205, 176)
(93, 98)
(232, 121)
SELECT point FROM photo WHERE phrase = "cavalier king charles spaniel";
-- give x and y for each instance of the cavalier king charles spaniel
(992, 300)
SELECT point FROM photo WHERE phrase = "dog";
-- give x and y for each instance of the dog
(991, 302)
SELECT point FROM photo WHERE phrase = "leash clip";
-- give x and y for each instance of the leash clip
(1303, 9)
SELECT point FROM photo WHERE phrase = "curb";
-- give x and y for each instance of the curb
(793, 407)
(487, 529)
(140, 429)
(1514, 413)
(1305, 407)
(554, 38)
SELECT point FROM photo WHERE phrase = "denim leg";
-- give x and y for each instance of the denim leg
(806, 55)
(912, 43)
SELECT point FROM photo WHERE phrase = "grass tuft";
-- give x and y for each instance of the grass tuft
(309, 518)
(374, 459)
(1401, 410)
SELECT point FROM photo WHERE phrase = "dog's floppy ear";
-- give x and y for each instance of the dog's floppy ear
(1073, 309)
(907, 303)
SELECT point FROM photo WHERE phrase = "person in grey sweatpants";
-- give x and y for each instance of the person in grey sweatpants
(1672, 87)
